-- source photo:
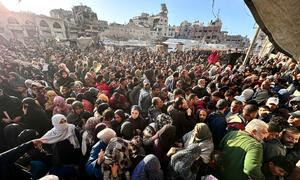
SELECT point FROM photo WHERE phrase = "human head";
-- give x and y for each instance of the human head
(180, 103)
(77, 107)
(263, 111)
(106, 135)
(280, 166)
(228, 95)
(294, 118)
(202, 115)
(155, 90)
(258, 129)
(250, 112)
(274, 130)
(146, 83)
(236, 106)
(295, 103)
(290, 136)
(201, 83)
(59, 122)
(222, 105)
(59, 101)
(179, 84)
(127, 130)
(135, 112)
(216, 96)
(157, 102)
(272, 103)
(178, 93)
(119, 115)
(201, 132)
(193, 99)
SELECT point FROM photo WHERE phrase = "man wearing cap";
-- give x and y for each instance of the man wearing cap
(217, 121)
(245, 96)
(262, 93)
(295, 103)
(272, 103)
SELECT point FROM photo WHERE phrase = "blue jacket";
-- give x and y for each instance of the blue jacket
(91, 167)
(217, 125)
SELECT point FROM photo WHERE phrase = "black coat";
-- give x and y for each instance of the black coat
(181, 122)
(37, 120)
(8, 168)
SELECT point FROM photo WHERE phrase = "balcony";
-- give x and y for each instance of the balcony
(45, 29)
(30, 27)
(16, 27)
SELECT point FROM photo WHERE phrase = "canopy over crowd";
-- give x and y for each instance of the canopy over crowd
(142, 115)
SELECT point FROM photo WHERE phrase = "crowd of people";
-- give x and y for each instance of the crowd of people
(144, 115)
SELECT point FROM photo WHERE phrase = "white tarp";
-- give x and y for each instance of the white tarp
(84, 42)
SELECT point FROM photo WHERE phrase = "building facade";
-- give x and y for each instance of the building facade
(143, 27)
(67, 17)
(22, 25)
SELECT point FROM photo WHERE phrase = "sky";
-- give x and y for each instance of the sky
(235, 15)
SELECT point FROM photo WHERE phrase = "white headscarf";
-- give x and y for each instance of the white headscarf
(61, 132)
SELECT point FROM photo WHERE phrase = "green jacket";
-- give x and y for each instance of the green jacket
(243, 156)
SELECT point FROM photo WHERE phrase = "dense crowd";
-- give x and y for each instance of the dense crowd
(142, 115)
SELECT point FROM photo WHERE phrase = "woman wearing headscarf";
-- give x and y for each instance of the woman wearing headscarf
(200, 133)
(60, 106)
(88, 101)
(65, 79)
(127, 131)
(198, 146)
(148, 169)
(107, 116)
(136, 119)
(119, 157)
(163, 141)
(77, 88)
(93, 165)
(88, 135)
(116, 123)
(34, 117)
(64, 139)
(11, 132)
(15, 79)
(6, 87)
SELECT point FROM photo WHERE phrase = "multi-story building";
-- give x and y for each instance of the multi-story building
(210, 34)
(236, 41)
(21, 25)
(143, 27)
(198, 31)
(86, 20)
(69, 21)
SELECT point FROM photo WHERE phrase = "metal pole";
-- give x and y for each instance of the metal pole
(247, 59)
